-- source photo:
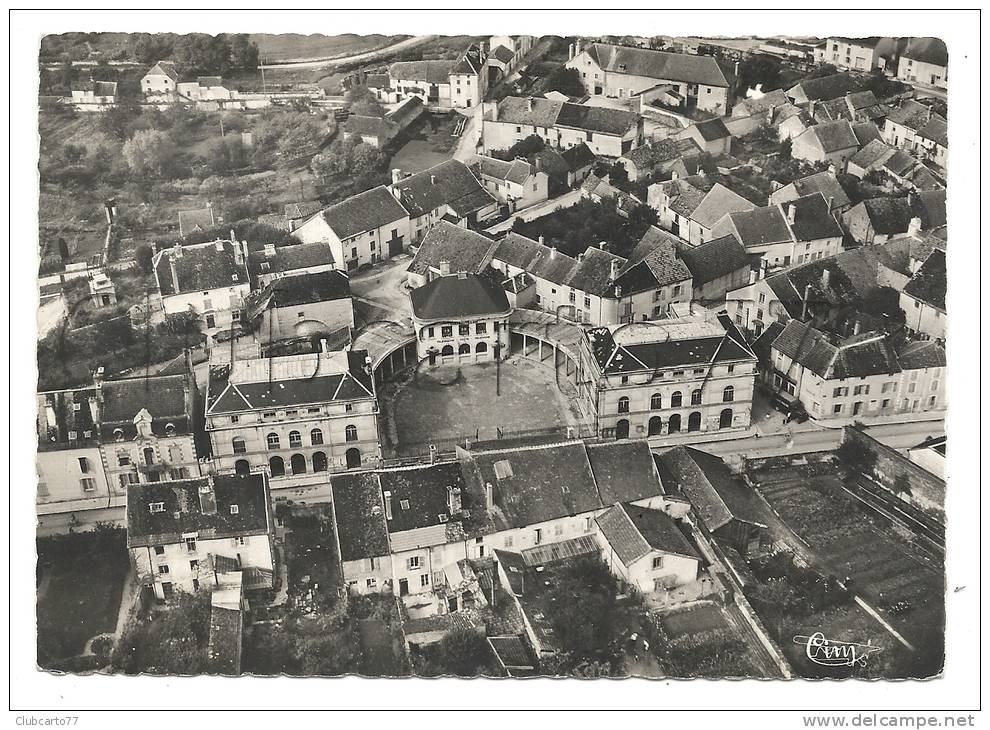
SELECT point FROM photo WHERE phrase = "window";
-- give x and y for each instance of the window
(159, 549)
(658, 562)
(191, 544)
(123, 458)
(508, 541)
(696, 397)
(316, 437)
(272, 440)
(623, 405)
(480, 328)
(861, 390)
(447, 331)
(656, 402)
(837, 408)
(413, 563)
(163, 570)
(675, 398)
(88, 484)
(624, 379)
(763, 297)
(839, 392)
(463, 330)
(295, 439)
(537, 536)
(424, 580)
(371, 582)
(129, 478)
(429, 332)
(350, 433)
(84, 465)
(728, 394)
(587, 302)
(193, 565)
(240, 445)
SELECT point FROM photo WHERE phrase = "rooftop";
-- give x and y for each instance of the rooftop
(634, 532)
(199, 267)
(297, 257)
(824, 88)
(927, 50)
(364, 212)
(168, 400)
(713, 259)
(449, 183)
(464, 250)
(658, 65)
(888, 215)
(359, 516)
(928, 283)
(297, 289)
(459, 296)
(833, 136)
(717, 203)
(653, 262)
(855, 357)
(434, 72)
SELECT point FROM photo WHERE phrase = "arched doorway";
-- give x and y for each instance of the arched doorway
(319, 461)
(655, 427)
(276, 466)
(353, 458)
(694, 421)
(622, 429)
(674, 423)
(725, 418)
(447, 351)
(481, 347)
(298, 463)
(241, 466)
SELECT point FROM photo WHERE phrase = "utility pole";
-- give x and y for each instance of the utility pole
(264, 89)
(221, 125)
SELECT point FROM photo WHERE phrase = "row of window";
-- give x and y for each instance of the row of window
(674, 424)
(462, 349)
(656, 400)
(624, 380)
(274, 441)
(463, 330)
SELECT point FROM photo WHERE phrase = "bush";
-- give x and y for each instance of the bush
(143, 255)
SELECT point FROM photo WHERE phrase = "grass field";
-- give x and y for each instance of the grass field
(705, 641)
(296, 47)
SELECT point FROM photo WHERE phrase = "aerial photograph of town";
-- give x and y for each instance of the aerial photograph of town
(491, 356)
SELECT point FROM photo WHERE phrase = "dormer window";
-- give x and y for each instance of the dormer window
(155, 507)
(234, 509)
(170, 429)
(118, 434)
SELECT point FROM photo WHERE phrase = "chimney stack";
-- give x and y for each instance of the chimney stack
(538, 163)
(553, 252)
(831, 199)
(539, 239)
(614, 272)
(603, 245)
(791, 213)
(396, 175)
(825, 277)
(176, 254)
(433, 179)
(207, 498)
(570, 52)
(856, 328)
(529, 103)
(804, 305)
(914, 227)
(444, 268)
(387, 498)
(453, 499)
(269, 250)
(489, 496)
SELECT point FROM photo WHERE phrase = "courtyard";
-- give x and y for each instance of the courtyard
(446, 405)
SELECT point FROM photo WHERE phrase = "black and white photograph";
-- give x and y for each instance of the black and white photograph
(510, 351)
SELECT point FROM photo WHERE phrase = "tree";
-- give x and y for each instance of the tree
(582, 609)
(201, 53)
(855, 455)
(67, 74)
(243, 53)
(148, 48)
(149, 152)
(826, 69)
(143, 255)
(362, 101)
(365, 158)
(565, 80)
(760, 70)
(174, 642)
(464, 652)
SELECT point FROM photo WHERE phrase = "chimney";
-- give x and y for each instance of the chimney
(269, 250)
(239, 248)
(753, 276)
(538, 163)
(856, 328)
(176, 254)
(580, 256)
(387, 496)
(444, 268)
(553, 252)
(831, 199)
(433, 179)
(207, 498)
(219, 245)
(804, 305)
(111, 207)
(529, 103)
(914, 227)
(98, 376)
(791, 213)
(396, 175)
(603, 245)
(577, 46)
(453, 499)
(489, 496)
(614, 270)
(735, 70)
(539, 239)
(570, 52)
(825, 277)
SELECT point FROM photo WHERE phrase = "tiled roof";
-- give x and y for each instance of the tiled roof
(224, 645)
(624, 470)
(927, 50)
(713, 259)
(537, 259)
(167, 398)
(296, 257)
(812, 219)
(900, 163)
(67, 418)
(865, 132)
(164, 68)
(649, 155)
(661, 266)
(599, 119)
(359, 516)
(593, 273)
(821, 182)
(297, 289)
(532, 111)
(770, 100)
(930, 207)
(715, 494)
(191, 221)
(464, 250)
(936, 129)
(450, 183)
(928, 283)
(199, 267)
(579, 156)
(712, 129)
(761, 226)
(910, 113)
(457, 296)
(434, 72)
(502, 54)
(855, 357)
(516, 171)
(419, 495)
(717, 203)
(301, 210)
(888, 215)
(873, 154)
(377, 81)
(922, 354)
(824, 88)
(834, 136)
(182, 509)
(364, 212)
(658, 65)
(359, 124)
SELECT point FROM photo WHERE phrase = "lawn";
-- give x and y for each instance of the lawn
(82, 577)
(431, 140)
(425, 411)
(293, 46)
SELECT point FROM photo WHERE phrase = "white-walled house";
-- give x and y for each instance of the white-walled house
(923, 298)
(161, 80)
(517, 184)
(925, 60)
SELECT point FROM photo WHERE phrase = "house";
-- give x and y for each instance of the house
(363, 229)
(654, 277)
(160, 80)
(875, 220)
(690, 372)
(726, 508)
(929, 206)
(447, 190)
(831, 142)
(923, 298)
(930, 455)
(196, 221)
(689, 209)
(711, 136)
(820, 182)
(298, 213)
(460, 318)
(932, 142)
(925, 61)
(293, 416)
(660, 156)
(458, 83)
(302, 306)
(273, 262)
(870, 158)
(790, 121)
(717, 267)
(380, 131)
(763, 105)
(580, 159)
(561, 124)
(102, 290)
(518, 45)
(204, 89)
(209, 279)
(517, 184)
(854, 54)
(857, 376)
(451, 249)
(598, 189)
(646, 549)
(469, 79)
(821, 88)
(94, 95)
(188, 534)
(856, 106)
(624, 72)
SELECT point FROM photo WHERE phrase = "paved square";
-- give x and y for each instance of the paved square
(426, 411)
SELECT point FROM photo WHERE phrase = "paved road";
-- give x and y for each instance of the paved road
(540, 209)
(366, 56)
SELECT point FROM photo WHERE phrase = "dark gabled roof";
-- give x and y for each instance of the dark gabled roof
(899, 163)
(856, 357)
(888, 215)
(910, 113)
(63, 413)
(713, 259)
(434, 72)
(463, 249)
(517, 171)
(653, 262)
(183, 509)
(532, 111)
(812, 219)
(834, 136)
(762, 344)
(303, 209)
(603, 120)
(930, 207)
(825, 183)
(712, 129)
(660, 531)
(865, 132)
(364, 212)
(297, 289)
(593, 273)
(359, 516)
(554, 163)
(164, 68)
(191, 221)
(537, 259)
(922, 354)
(875, 152)
(578, 156)
(419, 496)
(715, 494)
(377, 81)
(457, 296)
(450, 183)
(761, 226)
(502, 54)
(824, 88)
(225, 641)
(770, 100)
(936, 129)
(928, 283)
(167, 398)
(685, 193)
(296, 257)
(365, 125)
(658, 65)
(649, 155)
(624, 470)
(199, 267)
(927, 50)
